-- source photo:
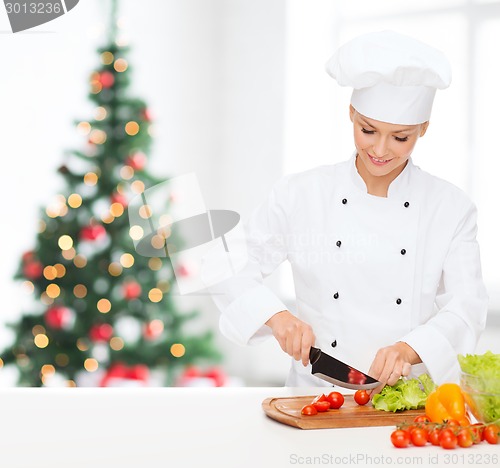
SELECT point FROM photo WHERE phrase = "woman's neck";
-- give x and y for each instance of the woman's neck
(377, 185)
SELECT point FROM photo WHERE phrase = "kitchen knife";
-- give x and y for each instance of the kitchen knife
(339, 373)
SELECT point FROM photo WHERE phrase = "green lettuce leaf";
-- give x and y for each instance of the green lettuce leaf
(427, 383)
(485, 367)
(413, 396)
(404, 394)
(388, 402)
(481, 384)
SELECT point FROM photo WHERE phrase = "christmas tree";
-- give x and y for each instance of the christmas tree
(99, 306)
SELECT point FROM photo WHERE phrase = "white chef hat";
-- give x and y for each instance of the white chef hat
(394, 76)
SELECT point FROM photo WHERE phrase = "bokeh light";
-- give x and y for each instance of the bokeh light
(103, 305)
(155, 295)
(107, 58)
(116, 209)
(126, 172)
(91, 365)
(41, 341)
(136, 232)
(115, 269)
(80, 291)
(90, 178)
(177, 350)
(53, 290)
(80, 261)
(155, 263)
(132, 128)
(65, 242)
(127, 260)
(120, 65)
(50, 272)
(116, 343)
(83, 128)
(75, 200)
(137, 186)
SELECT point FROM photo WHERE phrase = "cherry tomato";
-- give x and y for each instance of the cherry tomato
(336, 400)
(361, 397)
(452, 423)
(321, 397)
(490, 434)
(419, 437)
(411, 427)
(309, 410)
(322, 406)
(434, 436)
(400, 438)
(477, 432)
(422, 419)
(447, 439)
(464, 438)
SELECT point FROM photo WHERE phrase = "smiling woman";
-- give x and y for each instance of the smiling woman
(383, 150)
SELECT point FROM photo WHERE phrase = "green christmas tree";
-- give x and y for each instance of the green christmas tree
(98, 304)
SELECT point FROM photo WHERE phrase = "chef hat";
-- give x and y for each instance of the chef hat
(394, 76)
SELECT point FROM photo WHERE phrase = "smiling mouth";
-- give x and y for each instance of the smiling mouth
(378, 162)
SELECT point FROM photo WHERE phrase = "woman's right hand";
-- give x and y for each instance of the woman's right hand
(294, 336)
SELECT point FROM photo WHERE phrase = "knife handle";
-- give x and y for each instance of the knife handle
(314, 354)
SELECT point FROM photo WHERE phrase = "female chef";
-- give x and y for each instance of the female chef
(384, 255)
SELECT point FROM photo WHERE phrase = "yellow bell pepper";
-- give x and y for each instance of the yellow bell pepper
(445, 403)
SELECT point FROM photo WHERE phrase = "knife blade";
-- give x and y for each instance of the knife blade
(339, 373)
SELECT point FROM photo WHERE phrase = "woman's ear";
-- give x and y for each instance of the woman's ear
(352, 111)
(423, 128)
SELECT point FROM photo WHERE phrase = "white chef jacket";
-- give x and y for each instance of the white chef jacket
(368, 271)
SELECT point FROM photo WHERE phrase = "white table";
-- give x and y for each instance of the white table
(191, 427)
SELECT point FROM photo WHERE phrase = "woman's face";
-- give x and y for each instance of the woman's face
(384, 147)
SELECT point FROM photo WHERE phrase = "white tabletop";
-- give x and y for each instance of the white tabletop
(191, 427)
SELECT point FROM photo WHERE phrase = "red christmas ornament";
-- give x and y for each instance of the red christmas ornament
(119, 198)
(58, 317)
(193, 377)
(217, 375)
(120, 373)
(33, 270)
(101, 332)
(153, 329)
(106, 79)
(191, 372)
(139, 372)
(131, 290)
(28, 256)
(137, 161)
(92, 232)
(146, 114)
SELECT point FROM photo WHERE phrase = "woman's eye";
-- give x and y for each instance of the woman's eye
(369, 132)
(401, 139)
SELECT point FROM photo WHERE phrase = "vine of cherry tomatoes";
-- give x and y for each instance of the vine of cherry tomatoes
(447, 435)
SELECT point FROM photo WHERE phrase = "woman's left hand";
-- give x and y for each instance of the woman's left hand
(391, 363)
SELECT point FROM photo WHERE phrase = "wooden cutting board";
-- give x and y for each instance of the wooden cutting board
(287, 411)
